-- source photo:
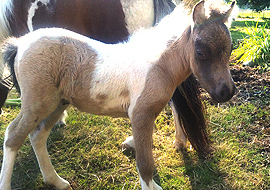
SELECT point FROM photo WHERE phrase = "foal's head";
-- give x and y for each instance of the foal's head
(212, 46)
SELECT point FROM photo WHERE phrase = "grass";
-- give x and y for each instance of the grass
(252, 14)
(241, 28)
(87, 153)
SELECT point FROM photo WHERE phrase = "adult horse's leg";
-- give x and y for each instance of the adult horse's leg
(190, 111)
(38, 139)
(3, 85)
(3, 96)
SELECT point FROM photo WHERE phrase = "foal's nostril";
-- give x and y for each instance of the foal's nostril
(224, 93)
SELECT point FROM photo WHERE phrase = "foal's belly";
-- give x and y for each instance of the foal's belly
(113, 107)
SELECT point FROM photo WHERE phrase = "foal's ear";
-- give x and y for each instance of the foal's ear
(227, 14)
(199, 13)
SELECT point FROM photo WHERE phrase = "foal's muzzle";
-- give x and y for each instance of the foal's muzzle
(223, 94)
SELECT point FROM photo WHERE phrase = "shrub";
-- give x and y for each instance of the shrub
(255, 48)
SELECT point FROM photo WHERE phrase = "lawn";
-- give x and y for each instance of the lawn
(87, 151)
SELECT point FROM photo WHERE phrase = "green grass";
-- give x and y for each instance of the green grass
(253, 14)
(87, 153)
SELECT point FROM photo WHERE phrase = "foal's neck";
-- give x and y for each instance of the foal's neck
(176, 59)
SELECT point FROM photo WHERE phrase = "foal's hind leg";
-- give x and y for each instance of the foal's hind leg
(62, 119)
(38, 139)
(10, 149)
(180, 141)
(15, 135)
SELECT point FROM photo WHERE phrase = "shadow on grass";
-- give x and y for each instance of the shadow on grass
(204, 173)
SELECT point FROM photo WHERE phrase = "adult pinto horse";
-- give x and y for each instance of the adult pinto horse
(110, 22)
(135, 79)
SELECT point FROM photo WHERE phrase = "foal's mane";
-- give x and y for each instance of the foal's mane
(167, 31)
(151, 43)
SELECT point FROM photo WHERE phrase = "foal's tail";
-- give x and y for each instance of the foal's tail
(190, 110)
(9, 52)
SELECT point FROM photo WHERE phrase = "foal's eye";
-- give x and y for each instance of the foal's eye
(200, 54)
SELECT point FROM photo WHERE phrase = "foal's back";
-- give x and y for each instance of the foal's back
(87, 73)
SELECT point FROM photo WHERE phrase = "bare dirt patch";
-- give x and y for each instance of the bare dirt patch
(253, 86)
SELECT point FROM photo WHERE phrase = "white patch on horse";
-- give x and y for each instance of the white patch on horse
(129, 142)
(152, 185)
(133, 14)
(32, 11)
(114, 74)
(124, 66)
(7, 165)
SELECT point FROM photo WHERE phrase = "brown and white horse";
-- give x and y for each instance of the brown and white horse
(110, 22)
(134, 79)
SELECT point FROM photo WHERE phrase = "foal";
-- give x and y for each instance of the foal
(134, 79)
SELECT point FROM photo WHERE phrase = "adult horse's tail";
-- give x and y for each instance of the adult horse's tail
(9, 51)
(5, 11)
(190, 111)
(186, 98)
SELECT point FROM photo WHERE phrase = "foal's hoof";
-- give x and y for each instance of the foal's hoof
(60, 123)
(128, 144)
(128, 150)
(128, 147)
(179, 145)
(68, 188)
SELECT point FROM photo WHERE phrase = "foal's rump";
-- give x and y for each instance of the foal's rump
(63, 63)
(45, 60)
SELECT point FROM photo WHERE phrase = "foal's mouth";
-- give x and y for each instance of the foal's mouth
(223, 95)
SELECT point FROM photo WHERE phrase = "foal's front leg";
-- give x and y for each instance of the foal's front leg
(142, 129)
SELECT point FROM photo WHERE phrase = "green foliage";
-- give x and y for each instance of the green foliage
(253, 15)
(255, 47)
(257, 5)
